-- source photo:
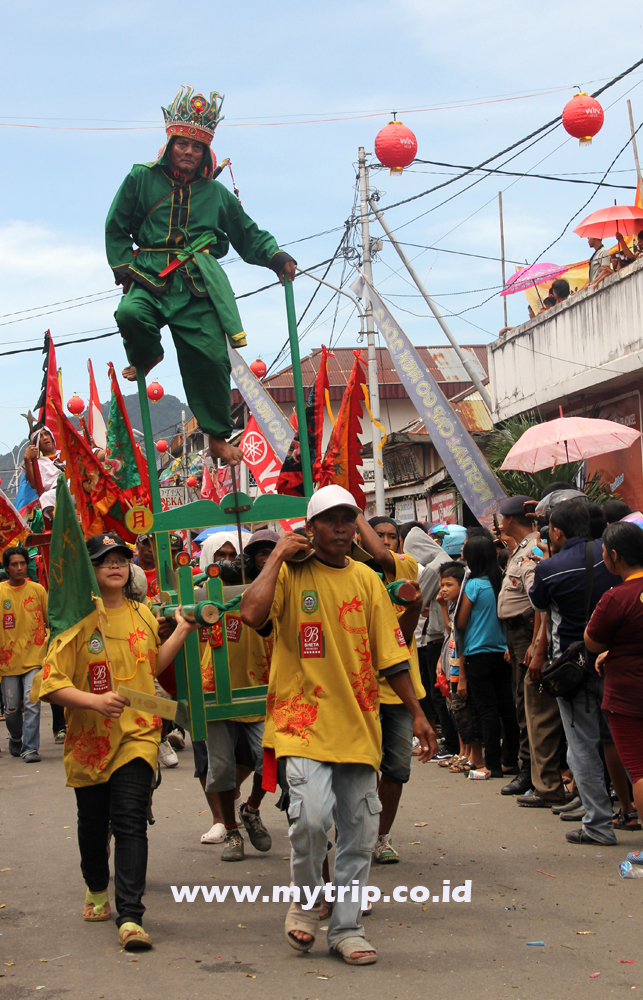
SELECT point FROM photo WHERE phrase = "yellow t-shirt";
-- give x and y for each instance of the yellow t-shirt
(249, 656)
(96, 746)
(334, 630)
(23, 627)
(406, 568)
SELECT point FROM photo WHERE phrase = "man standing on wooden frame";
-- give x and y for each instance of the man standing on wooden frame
(183, 221)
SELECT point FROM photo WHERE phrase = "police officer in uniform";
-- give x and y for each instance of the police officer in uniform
(517, 615)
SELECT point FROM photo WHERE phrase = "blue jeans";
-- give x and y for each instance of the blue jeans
(583, 739)
(322, 793)
(24, 730)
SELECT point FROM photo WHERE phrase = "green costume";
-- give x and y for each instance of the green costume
(163, 213)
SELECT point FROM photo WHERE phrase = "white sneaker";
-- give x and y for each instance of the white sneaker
(176, 740)
(215, 835)
(166, 755)
(384, 852)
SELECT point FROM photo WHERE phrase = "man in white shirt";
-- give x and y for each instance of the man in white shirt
(600, 264)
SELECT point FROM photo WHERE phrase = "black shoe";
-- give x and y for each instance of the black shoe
(580, 837)
(574, 816)
(15, 748)
(569, 806)
(520, 784)
(535, 801)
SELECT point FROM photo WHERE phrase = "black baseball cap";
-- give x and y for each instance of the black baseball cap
(100, 545)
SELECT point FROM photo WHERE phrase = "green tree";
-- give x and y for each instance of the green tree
(532, 484)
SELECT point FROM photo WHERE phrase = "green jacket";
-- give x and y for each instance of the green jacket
(196, 208)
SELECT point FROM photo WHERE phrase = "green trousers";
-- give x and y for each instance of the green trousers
(200, 343)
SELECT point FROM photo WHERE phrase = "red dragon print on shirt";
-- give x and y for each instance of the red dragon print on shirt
(364, 685)
(135, 638)
(294, 717)
(88, 749)
(39, 632)
(6, 652)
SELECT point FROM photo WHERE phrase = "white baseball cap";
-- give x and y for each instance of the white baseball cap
(328, 497)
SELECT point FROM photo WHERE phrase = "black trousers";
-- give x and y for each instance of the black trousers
(489, 680)
(58, 718)
(435, 703)
(121, 801)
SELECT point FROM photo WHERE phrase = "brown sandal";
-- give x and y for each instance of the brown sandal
(461, 766)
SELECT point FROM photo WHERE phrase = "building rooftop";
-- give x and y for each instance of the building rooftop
(442, 362)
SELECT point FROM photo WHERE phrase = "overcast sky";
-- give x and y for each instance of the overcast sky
(93, 78)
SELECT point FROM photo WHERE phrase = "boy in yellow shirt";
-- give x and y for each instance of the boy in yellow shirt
(335, 632)
(23, 643)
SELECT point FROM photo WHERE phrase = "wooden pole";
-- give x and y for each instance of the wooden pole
(634, 147)
(150, 451)
(300, 405)
(502, 255)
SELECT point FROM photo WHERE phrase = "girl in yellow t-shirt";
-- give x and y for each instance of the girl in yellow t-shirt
(111, 749)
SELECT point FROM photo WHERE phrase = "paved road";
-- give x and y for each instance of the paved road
(237, 950)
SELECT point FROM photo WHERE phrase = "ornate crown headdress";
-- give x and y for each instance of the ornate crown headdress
(193, 117)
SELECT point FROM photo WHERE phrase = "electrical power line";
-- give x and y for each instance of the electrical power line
(542, 177)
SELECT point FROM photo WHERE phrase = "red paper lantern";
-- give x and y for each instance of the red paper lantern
(161, 446)
(75, 405)
(395, 147)
(258, 368)
(155, 392)
(192, 482)
(583, 118)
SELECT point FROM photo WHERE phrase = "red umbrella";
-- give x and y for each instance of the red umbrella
(624, 219)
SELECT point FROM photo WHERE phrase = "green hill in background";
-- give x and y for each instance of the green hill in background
(165, 416)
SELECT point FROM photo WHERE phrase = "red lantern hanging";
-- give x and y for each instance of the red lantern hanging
(75, 405)
(192, 482)
(395, 147)
(258, 368)
(155, 392)
(161, 446)
(583, 118)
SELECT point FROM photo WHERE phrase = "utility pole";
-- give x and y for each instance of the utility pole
(634, 147)
(186, 498)
(373, 383)
(502, 254)
(466, 362)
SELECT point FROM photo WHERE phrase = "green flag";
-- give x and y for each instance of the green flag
(72, 580)
(120, 453)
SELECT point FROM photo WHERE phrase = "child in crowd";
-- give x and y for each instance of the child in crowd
(463, 708)
(487, 672)
(111, 750)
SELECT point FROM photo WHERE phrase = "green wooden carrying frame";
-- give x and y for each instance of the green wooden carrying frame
(197, 707)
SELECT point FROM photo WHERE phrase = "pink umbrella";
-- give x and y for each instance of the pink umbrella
(567, 439)
(624, 219)
(535, 274)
